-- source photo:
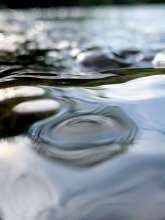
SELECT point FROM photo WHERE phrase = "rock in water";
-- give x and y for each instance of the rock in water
(99, 61)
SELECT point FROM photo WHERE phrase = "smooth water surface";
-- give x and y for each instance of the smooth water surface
(82, 102)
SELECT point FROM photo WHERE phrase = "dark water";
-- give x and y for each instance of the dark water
(82, 102)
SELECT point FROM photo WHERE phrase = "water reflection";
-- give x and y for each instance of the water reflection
(25, 193)
(159, 60)
(82, 114)
(41, 105)
(19, 92)
(107, 141)
(23, 99)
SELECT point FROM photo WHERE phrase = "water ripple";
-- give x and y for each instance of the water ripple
(85, 138)
(95, 146)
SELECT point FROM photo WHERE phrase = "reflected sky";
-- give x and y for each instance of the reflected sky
(126, 185)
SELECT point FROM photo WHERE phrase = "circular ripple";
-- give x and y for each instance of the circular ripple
(85, 138)
(79, 131)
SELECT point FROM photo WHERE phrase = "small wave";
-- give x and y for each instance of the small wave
(85, 138)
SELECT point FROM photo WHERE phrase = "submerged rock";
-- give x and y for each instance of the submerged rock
(99, 61)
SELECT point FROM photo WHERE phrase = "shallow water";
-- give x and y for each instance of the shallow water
(82, 100)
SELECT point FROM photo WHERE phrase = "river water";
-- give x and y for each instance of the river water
(82, 102)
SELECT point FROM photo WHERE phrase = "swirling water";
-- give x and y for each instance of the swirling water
(82, 128)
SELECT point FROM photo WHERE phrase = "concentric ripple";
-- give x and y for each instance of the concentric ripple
(85, 138)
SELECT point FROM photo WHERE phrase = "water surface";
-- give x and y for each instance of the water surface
(82, 101)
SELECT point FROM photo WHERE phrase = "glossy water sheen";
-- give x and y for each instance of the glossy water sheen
(82, 102)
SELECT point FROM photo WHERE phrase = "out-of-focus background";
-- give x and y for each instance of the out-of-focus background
(54, 3)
